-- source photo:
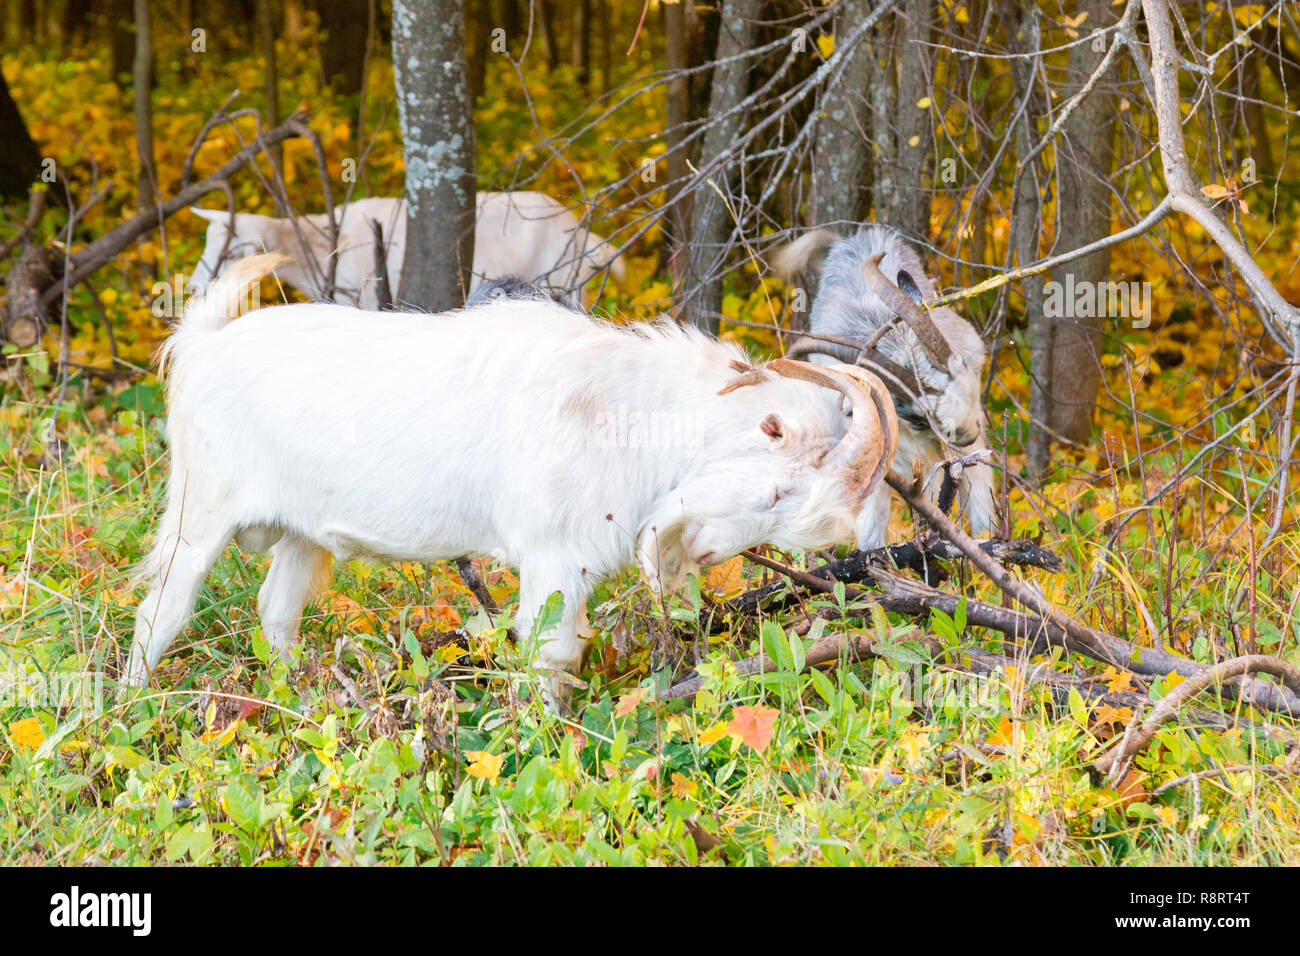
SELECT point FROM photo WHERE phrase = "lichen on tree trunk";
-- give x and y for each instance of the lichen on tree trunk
(435, 108)
(711, 223)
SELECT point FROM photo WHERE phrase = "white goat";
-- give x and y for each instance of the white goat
(523, 234)
(488, 431)
(931, 362)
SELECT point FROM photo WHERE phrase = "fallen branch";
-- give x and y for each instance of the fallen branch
(1151, 661)
(1115, 762)
(383, 290)
(1219, 772)
(858, 646)
(93, 256)
(856, 566)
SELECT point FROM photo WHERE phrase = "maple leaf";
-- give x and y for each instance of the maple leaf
(27, 734)
(754, 725)
(725, 578)
(628, 702)
(684, 787)
(484, 765)
(1116, 680)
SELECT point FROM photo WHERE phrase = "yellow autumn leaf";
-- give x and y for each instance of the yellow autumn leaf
(27, 734)
(684, 787)
(923, 103)
(224, 735)
(826, 44)
(914, 744)
(449, 653)
(484, 765)
(713, 734)
(725, 578)
(1215, 191)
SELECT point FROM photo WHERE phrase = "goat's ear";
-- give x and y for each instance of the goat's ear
(211, 215)
(772, 428)
(909, 288)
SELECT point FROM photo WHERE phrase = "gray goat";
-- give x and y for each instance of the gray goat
(930, 360)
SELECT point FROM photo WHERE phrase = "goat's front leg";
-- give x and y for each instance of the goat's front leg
(560, 649)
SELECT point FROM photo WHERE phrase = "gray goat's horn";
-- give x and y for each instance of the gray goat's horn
(932, 341)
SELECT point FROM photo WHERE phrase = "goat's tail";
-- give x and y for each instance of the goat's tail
(790, 259)
(221, 301)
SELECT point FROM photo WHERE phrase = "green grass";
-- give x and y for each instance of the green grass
(866, 764)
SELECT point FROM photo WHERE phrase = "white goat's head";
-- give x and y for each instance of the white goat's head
(796, 480)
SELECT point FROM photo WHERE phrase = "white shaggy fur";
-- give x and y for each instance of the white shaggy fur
(523, 234)
(487, 431)
(846, 306)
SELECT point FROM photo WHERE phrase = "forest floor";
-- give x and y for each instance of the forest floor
(408, 732)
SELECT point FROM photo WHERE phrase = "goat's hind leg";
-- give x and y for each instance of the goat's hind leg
(176, 567)
(300, 569)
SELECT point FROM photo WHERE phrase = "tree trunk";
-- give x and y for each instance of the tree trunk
(605, 29)
(27, 23)
(76, 16)
(20, 160)
(544, 15)
(904, 200)
(142, 80)
(1023, 37)
(1084, 156)
(121, 31)
(266, 30)
(342, 57)
(677, 114)
(510, 20)
(292, 21)
(582, 40)
(436, 114)
(478, 24)
(841, 167)
(1259, 147)
(711, 223)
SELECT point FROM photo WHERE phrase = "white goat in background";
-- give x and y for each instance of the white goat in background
(931, 361)
(487, 431)
(523, 234)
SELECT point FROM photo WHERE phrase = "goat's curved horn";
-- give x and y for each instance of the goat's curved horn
(803, 347)
(932, 341)
(865, 452)
(884, 412)
(902, 383)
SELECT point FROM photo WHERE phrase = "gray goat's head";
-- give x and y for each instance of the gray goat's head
(942, 351)
(870, 303)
